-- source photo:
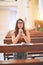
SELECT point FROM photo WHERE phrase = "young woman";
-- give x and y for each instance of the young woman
(20, 35)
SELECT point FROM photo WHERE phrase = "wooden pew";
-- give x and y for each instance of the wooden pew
(36, 37)
(22, 48)
(29, 47)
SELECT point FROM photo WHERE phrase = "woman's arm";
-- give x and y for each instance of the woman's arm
(15, 39)
(27, 37)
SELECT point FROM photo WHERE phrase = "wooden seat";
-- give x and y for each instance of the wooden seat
(22, 62)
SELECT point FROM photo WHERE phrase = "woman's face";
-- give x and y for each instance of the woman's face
(20, 24)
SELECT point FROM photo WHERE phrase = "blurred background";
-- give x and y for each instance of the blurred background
(31, 11)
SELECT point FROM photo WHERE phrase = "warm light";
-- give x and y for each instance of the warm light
(38, 26)
(41, 16)
(40, 10)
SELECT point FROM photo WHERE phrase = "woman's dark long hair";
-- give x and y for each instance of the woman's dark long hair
(16, 27)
